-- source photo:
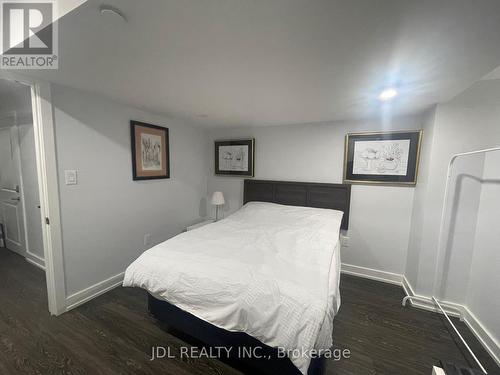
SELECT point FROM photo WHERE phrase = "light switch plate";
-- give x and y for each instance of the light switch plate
(70, 177)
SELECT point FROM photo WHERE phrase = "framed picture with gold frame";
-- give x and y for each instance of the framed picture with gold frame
(382, 157)
(150, 151)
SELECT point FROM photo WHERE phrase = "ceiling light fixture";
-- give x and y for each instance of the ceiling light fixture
(388, 94)
(108, 9)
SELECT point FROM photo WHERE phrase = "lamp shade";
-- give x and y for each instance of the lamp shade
(218, 198)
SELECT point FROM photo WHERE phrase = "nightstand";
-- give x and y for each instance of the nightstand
(199, 225)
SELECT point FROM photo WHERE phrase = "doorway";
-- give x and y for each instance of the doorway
(31, 200)
(20, 215)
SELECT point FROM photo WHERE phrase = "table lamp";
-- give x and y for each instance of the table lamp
(217, 200)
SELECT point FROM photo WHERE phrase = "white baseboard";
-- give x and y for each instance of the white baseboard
(372, 274)
(36, 262)
(426, 303)
(85, 295)
(483, 335)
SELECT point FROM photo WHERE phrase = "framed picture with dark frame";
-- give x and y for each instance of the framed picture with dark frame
(150, 151)
(382, 157)
(235, 157)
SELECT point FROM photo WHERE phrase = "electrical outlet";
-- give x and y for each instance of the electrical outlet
(344, 241)
(147, 239)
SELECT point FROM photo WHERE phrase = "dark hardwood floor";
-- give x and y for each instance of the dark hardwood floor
(113, 334)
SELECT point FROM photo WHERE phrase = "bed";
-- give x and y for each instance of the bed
(262, 282)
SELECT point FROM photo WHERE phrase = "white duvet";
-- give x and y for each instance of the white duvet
(268, 270)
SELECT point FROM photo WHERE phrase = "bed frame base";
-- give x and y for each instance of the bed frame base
(202, 333)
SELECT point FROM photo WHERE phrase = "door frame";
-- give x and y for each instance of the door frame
(46, 163)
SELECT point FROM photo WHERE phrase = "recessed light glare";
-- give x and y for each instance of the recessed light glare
(388, 94)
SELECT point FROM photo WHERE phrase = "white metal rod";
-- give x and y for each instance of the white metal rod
(459, 335)
(484, 150)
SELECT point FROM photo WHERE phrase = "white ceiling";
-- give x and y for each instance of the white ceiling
(271, 62)
(495, 74)
(483, 93)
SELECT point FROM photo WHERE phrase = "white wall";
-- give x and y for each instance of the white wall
(462, 215)
(380, 215)
(461, 219)
(469, 270)
(483, 292)
(457, 128)
(421, 192)
(105, 216)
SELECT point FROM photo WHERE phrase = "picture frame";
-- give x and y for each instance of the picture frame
(390, 158)
(150, 151)
(235, 157)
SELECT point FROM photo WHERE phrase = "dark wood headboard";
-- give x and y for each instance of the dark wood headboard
(307, 194)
